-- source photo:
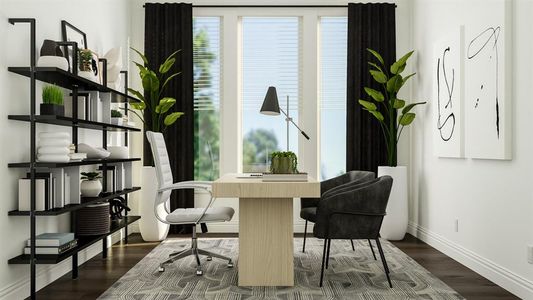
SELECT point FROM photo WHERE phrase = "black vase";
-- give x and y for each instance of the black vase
(52, 109)
(51, 48)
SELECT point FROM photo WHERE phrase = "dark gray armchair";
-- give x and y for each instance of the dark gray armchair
(309, 205)
(355, 212)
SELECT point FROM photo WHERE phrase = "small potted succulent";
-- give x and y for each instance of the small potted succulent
(116, 117)
(86, 64)
(52, 101)
(283, 162)
(90, 184)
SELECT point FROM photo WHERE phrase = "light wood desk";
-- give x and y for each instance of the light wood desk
(265, 226)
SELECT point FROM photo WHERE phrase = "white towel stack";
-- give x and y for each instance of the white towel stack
(54, 147)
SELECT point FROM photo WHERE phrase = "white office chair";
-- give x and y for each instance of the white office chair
(183, 216)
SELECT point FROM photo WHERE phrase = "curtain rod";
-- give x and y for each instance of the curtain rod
(271, 6)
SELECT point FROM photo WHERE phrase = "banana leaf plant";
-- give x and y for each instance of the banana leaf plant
(398, 114)
(152, 99)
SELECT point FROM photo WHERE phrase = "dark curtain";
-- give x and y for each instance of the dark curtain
(369, 26)
(168, 28)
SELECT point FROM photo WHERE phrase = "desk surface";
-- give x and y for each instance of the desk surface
(231, 186)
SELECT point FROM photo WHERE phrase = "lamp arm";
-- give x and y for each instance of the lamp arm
(290, 119)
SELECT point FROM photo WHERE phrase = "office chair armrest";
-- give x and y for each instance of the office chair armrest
(205, 185)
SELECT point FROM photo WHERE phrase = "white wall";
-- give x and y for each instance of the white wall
(106, 24)
(491, 199)
(230, 108)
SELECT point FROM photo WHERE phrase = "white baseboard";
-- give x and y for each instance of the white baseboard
(47, 274)
(503, 277)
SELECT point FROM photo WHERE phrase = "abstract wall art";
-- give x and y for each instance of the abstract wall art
(448, 124)
(487, 99)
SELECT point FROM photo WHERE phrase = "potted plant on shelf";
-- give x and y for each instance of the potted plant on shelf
(90, 184)
(52, 101)
(283, 162)
(154, 104)
(86, 65)
(116, 117)
(393, 114)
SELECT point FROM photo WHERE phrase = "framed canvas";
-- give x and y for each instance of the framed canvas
(448, 121)
(70, 33)
(488, 99)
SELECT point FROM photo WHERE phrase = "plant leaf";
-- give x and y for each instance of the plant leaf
(375, 66)
(136, 94)
(407, 119)
(398, 66)
(399, 103)
(377, 115)
(376, 95)
(145, 60)
(171, 118)
(379, 76)
(368, 105)
(376, 55)
(150, 82)
(394, 84)
(407, 77)
(410, 106)
(138, 105)
(165, 67)
(168, 79)
(164, 105)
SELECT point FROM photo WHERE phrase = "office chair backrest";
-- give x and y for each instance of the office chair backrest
(162, 163)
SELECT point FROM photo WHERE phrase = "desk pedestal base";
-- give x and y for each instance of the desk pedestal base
(266, 242)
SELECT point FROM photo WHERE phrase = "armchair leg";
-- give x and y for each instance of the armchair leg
(372, 248)
(323, 261)
(353, 247)
(305, 236)
(384, 262)
(327, 255)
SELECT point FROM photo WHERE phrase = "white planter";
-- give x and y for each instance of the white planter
(90, 188)
(116, 121)
(151, 228)
(395, 222)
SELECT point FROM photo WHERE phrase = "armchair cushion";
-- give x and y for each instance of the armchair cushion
(191, 215)
(309, 214)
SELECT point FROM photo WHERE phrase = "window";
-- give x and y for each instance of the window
(333, 45)
(206, 58)
(270, 57)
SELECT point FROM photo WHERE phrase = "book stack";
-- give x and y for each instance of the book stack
(298, 177)
(52, 243)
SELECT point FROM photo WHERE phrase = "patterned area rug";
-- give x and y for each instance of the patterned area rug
(351, 275)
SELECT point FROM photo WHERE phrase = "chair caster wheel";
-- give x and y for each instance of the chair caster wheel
(209, 258)
(230, 264)
(199, 272)
(161, 269)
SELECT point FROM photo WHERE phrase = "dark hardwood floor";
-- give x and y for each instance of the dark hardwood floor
(98, 274)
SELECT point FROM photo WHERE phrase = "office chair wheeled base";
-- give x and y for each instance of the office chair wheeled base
(196, 252)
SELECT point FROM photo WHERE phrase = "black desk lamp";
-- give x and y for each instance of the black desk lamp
(271, 108)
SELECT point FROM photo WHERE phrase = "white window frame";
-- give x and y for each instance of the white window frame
(231, 140)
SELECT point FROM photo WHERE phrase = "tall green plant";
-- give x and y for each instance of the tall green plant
(386, 101)
(152, 99)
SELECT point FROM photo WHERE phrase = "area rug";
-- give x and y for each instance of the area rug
(351, 275)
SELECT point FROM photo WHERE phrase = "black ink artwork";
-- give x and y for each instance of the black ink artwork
(484, 48)
(446, 128)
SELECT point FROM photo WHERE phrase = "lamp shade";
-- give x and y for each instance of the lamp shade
(270, 104)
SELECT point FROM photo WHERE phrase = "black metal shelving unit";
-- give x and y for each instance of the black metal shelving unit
(78, 86)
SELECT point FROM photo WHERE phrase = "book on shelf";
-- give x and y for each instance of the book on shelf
(41, 194)
(52, 249)
(49, 187)
(299, 177)
(54, 239)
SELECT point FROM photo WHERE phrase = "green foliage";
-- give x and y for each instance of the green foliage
(85, 59)
(90, 175)
(116, 114)
(52, 94)
(152, 99)
(277, 162)
(387, 102)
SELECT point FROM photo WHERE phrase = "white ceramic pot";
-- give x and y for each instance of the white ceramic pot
(151, 228)
(90, 188)
(395, 222)
(116, 121)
